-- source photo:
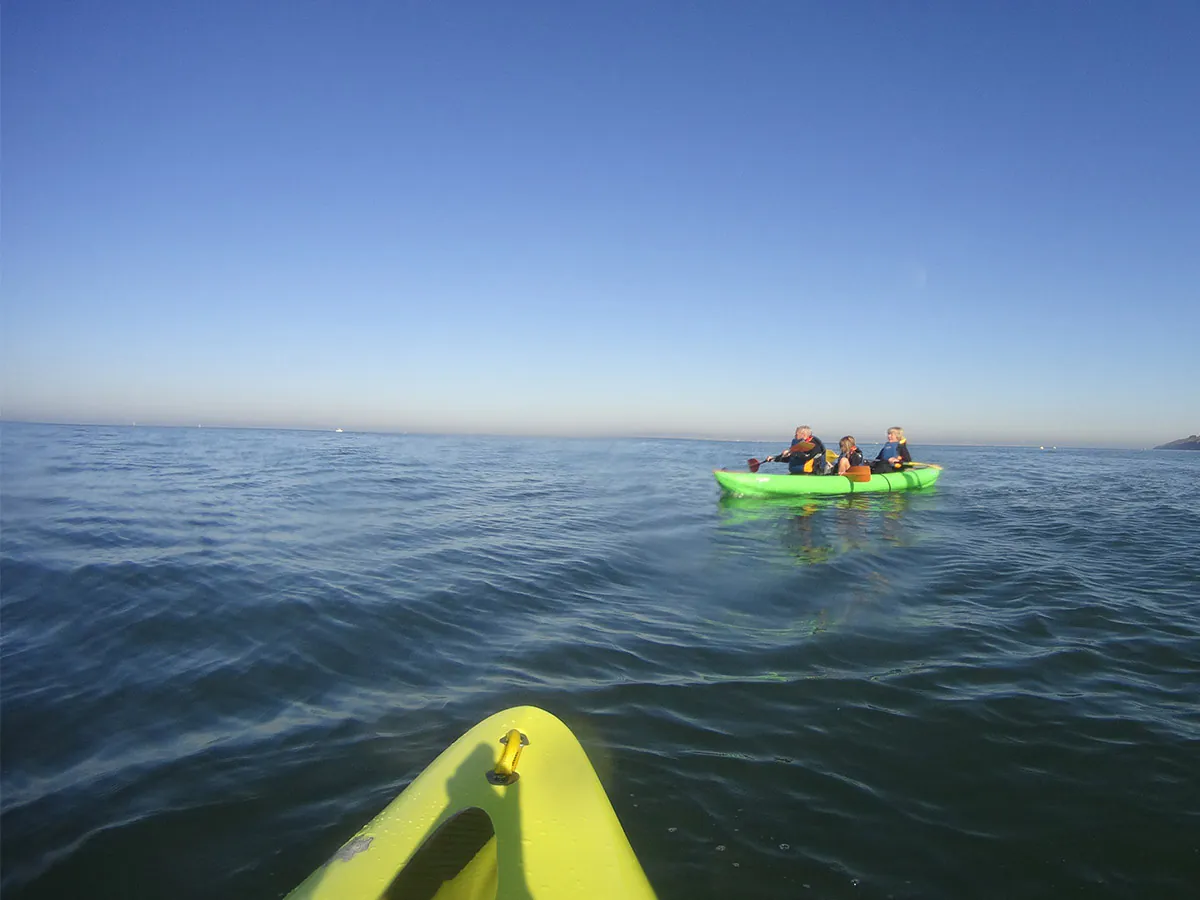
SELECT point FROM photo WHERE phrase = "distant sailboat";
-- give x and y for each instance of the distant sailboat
(338, 430)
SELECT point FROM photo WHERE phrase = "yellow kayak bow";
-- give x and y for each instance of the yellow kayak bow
(512, 810)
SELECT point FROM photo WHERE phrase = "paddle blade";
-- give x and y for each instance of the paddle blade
(860, 474)
(801, 447)
(753, 464)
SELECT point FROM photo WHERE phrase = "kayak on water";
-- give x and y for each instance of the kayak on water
(763, 484)
(512, 809)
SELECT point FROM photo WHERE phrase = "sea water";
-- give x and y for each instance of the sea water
(223, 651)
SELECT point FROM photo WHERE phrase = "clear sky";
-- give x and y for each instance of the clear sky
(978, 220)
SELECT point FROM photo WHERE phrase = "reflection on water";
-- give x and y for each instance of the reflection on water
(790, 541)
(818, 529)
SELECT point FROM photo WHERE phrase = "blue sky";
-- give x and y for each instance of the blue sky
(978, 220)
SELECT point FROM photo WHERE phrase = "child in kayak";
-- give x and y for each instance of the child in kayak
(894, 454)
(810, 461)
(850, 456)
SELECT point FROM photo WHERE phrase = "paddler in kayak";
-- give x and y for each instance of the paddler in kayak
(806, 456)
(894, 453)
(850, 456)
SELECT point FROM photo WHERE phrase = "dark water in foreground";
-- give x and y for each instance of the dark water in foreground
(224, 651)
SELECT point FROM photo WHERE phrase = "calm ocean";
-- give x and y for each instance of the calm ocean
(223, 651)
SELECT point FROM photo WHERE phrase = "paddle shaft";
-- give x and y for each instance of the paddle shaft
(798, 447)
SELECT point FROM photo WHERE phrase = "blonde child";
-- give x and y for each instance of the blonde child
(894, 454)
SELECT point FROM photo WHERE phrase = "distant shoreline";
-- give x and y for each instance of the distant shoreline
(1191, 442)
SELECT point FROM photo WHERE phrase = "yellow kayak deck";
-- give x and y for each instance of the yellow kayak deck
(512, 810)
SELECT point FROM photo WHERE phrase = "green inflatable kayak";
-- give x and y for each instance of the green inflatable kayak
(764, 484)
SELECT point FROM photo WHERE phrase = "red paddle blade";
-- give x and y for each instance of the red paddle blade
(753, 464)
(801, 447)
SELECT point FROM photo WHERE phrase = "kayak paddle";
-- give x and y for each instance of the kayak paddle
(798, 447)
(861, 474)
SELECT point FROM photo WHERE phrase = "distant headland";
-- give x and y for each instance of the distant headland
(1188, 443)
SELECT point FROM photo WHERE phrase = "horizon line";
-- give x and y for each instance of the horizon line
(530, 435)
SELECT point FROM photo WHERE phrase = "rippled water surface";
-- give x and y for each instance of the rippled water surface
(223, 651)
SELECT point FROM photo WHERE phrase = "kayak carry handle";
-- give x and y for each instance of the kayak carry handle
(506, 768)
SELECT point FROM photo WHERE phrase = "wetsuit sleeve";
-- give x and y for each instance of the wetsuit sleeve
(905, 456)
